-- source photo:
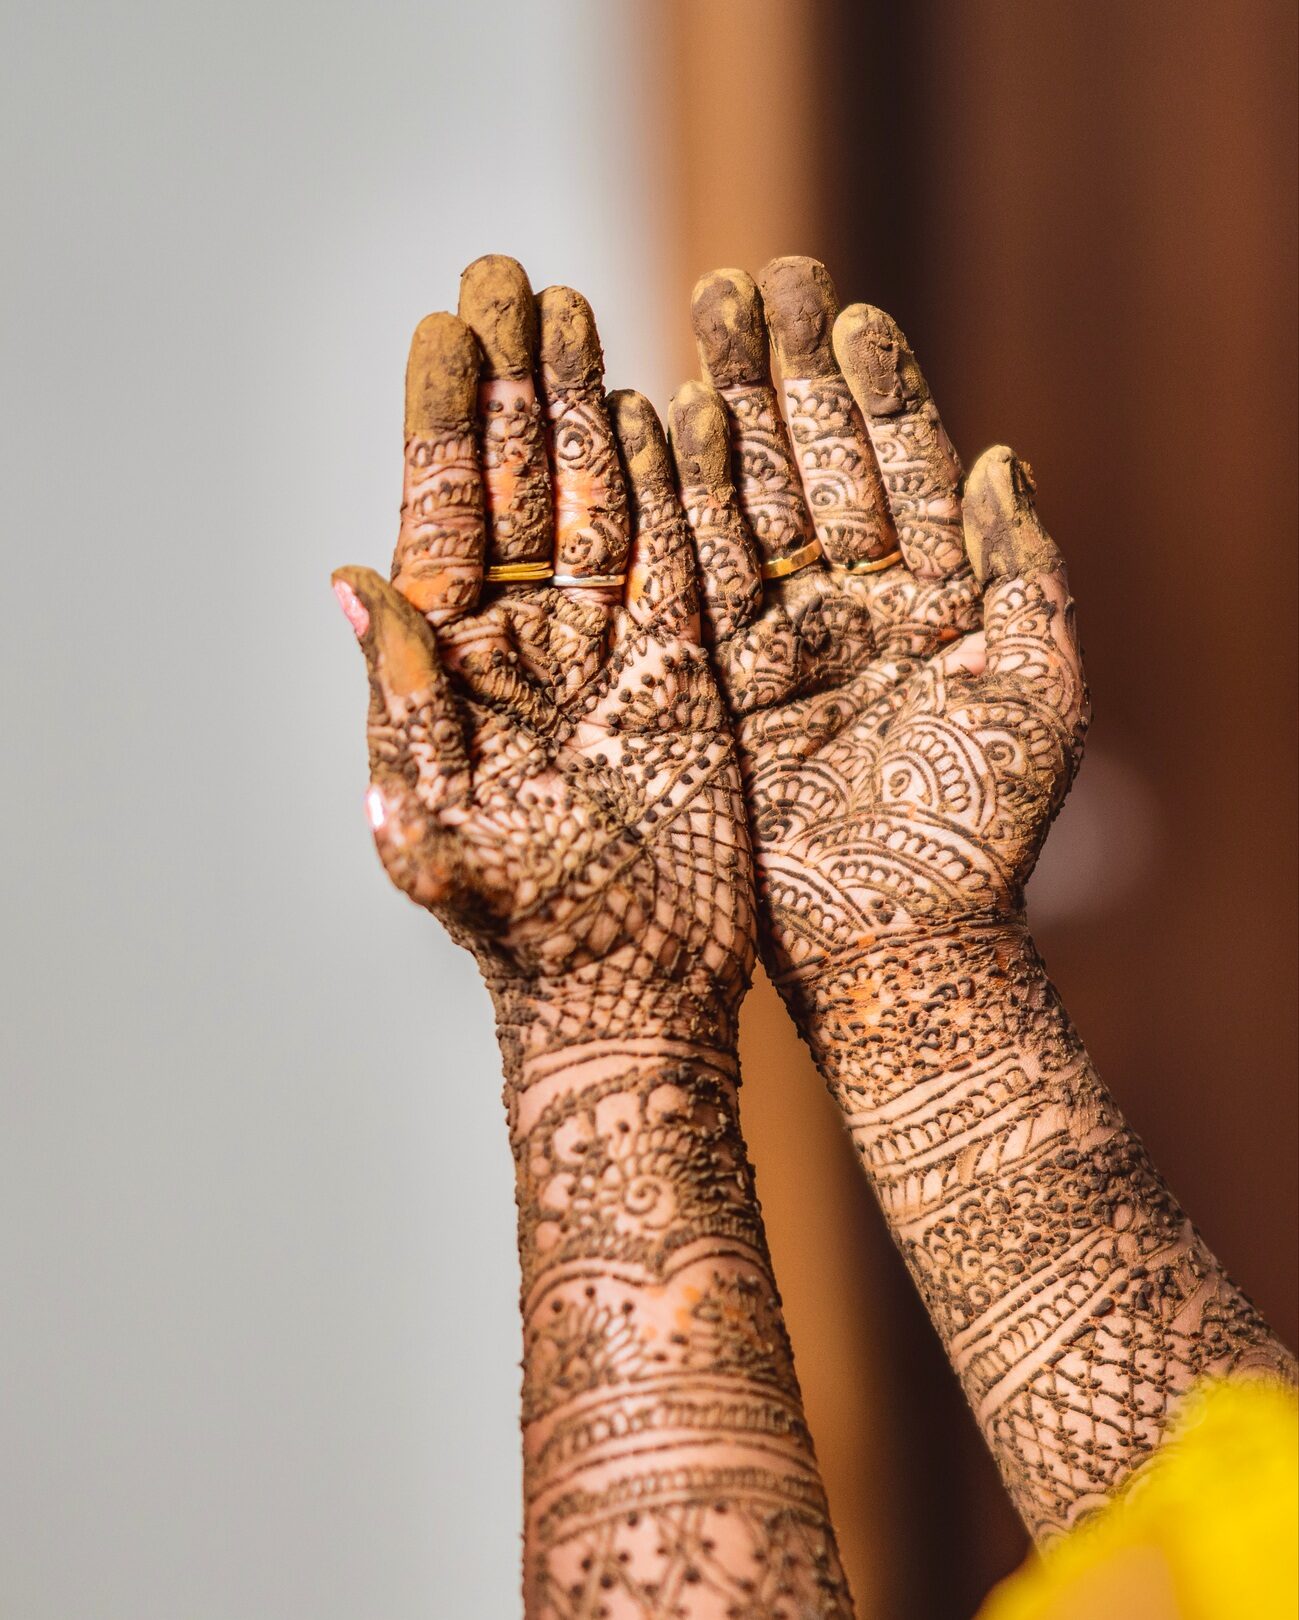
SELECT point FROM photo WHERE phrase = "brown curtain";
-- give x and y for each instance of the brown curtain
(1084, 218)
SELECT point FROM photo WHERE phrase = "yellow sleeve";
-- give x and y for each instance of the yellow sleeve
(1208, 1530)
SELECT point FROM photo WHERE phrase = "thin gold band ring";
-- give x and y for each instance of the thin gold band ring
(872, 567)
(782, 567)
(508, 573)
(589, 579)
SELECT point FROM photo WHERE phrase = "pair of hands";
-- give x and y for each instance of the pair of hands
(641, 703)
(830, 651)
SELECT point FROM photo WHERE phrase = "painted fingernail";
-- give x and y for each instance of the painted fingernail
(352, 605)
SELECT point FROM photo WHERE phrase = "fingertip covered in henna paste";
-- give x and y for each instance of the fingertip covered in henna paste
(877, 359)
(570, 343)
(1004, 537)
(726, 311)
(441, 375)
(801, 303)
(700, 443)
(641, 442)
(496, 301)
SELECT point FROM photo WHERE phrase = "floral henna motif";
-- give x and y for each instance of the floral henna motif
(633, 1174)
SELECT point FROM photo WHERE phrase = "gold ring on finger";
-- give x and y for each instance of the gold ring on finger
(782, 567)
(873, 565)
(511, 573)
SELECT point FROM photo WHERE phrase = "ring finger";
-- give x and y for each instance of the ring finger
(592, 532)
(841, 480)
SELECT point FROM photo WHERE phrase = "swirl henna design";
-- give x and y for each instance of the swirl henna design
(732, 341)
(590, 500)
(553, 776)
(920, 468)
(897, 809)
(844, 492)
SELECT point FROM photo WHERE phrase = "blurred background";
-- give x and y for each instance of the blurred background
(258, 1346)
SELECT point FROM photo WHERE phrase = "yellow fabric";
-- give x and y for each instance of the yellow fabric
(1209, 1530)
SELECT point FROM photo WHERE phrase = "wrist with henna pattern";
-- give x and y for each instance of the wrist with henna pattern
(666, 1455)
(539, 1017)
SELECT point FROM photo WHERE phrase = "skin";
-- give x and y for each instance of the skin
(554, 778)
(904, 747)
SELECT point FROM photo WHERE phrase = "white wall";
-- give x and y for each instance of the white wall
(258, 1342)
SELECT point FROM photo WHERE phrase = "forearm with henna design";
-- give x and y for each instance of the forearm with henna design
(1075, 1299)
(894, 831)
(667, 1464)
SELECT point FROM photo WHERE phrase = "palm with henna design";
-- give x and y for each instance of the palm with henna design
(900, 764)
(551, 770)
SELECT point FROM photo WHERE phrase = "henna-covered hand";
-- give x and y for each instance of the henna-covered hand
(904, 747)
(901, 762)
(553, 776)
(551, 773)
